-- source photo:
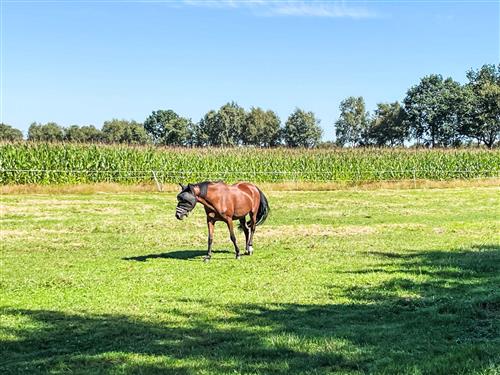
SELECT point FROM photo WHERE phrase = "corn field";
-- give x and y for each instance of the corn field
(39, 163)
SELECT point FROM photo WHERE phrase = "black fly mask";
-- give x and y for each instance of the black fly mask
(186, 202)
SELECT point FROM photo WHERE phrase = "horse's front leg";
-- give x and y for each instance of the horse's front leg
(210, 224)
(230, 226)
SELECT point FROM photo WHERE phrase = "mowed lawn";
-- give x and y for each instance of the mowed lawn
(384, 281)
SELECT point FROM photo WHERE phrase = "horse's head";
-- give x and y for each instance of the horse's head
(186, 201)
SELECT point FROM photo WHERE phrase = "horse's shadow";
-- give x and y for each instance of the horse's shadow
(176, 254)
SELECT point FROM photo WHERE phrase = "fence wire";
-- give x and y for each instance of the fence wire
(143, 171)
(160, 177)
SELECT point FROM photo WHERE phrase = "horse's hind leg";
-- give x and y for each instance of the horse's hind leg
(230, 226)
(246, 230)
(252, 225)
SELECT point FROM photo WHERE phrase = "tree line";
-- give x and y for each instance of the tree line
(436, 112)
(230, 125)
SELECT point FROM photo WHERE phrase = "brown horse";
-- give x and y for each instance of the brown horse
(225, 203)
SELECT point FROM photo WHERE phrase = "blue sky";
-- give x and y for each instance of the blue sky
(84, 62)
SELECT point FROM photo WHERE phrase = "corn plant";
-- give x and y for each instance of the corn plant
(41, 163)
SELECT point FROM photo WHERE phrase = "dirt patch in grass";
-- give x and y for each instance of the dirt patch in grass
(31, 233)
(81, 188)
(100, 210)
(403, 225)
(279, 186)
(377, 185)
(315, 230)
(4, 233)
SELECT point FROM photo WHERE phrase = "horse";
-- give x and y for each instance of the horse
(225, 203)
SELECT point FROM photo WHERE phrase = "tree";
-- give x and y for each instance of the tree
(352, 127)
(49, 132)
(261, 128)
(302, 129)
(222, 128)
(387, 127)
(91, 134)
(177, 132)
(88, 134)
(202, 128)
(123, 131)
(481, 117)
(192, 138)
(433, 110)
(73, 134)
(8, 133)
(232, 118)
(168, 128)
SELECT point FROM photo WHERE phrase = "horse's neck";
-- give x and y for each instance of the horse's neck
(206, 203)
(201, 196)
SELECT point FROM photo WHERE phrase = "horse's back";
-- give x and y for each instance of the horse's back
(247, 188)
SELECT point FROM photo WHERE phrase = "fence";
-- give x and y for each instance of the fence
(159, 177)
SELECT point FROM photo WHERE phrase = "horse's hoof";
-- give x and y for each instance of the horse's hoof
(206, 259)
(248, 252)
(238, 257)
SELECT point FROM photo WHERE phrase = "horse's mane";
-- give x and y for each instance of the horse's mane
(203, 186)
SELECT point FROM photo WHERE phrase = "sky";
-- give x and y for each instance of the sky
(87, 61)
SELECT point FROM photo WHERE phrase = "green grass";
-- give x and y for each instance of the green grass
(39, 163)
(399, 282)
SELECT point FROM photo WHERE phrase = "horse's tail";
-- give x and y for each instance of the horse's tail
(262, 212)
(263, 208)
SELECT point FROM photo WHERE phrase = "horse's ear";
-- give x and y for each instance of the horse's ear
(182, 186)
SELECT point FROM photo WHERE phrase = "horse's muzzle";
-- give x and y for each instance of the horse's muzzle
(181, 212)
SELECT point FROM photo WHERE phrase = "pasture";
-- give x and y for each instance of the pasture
(384, 281)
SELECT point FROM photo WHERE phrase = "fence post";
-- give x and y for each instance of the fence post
(159, 186)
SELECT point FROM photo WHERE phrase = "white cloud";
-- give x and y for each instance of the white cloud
(322, 10)
(325, 9)
(226, 3)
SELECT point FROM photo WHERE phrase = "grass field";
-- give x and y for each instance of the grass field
(383, 281)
